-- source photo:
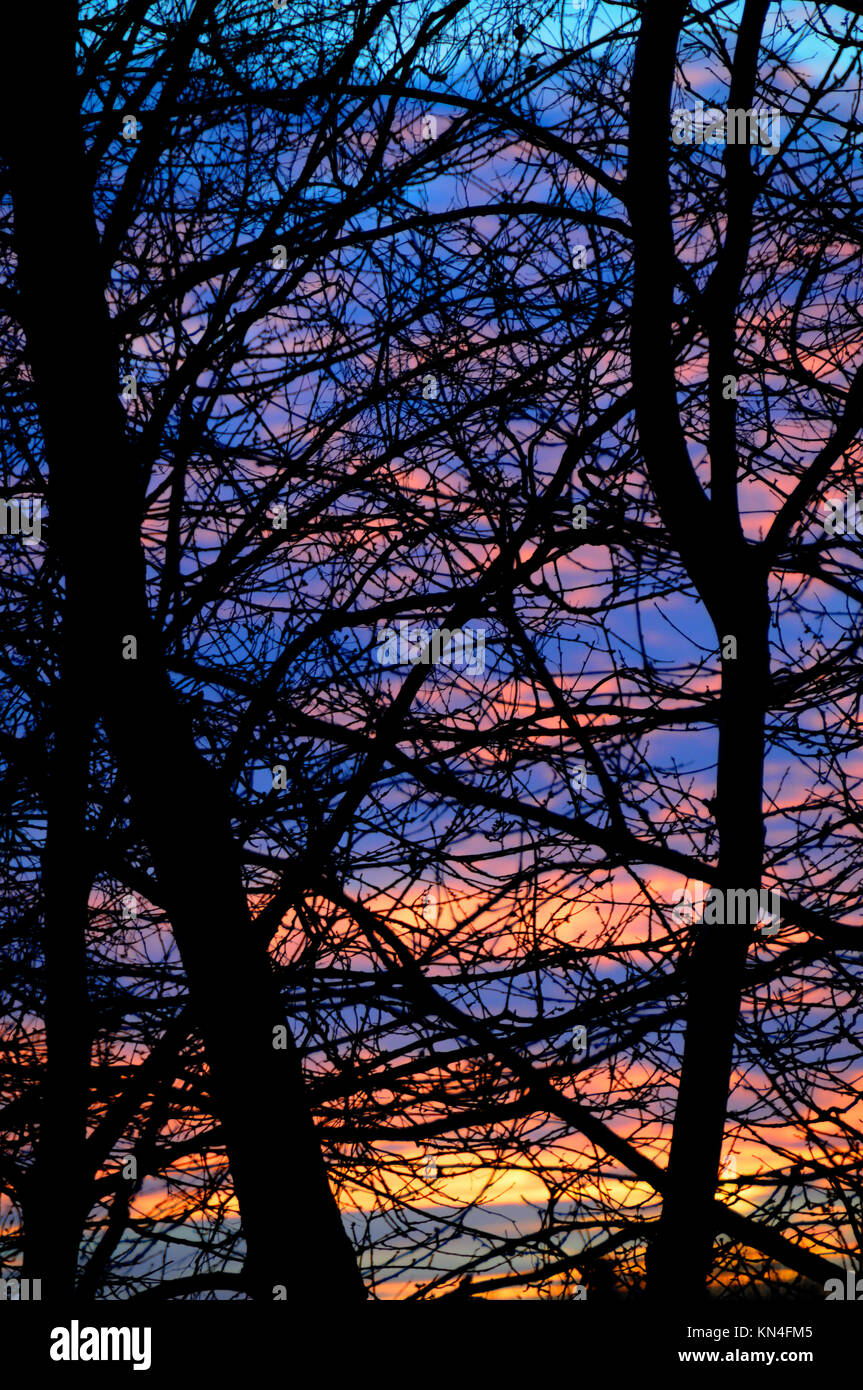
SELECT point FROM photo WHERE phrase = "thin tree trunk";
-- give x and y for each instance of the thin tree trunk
(290, 1220)
(730, 577)
(682, 1254)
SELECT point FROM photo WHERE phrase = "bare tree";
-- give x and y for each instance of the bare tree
(462, 420)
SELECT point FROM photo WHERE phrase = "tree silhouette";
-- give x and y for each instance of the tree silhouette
(441, 569)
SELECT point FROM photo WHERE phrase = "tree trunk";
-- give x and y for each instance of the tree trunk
(730, 576)
(290, 1220)
(56, 1197)
(682, 1253)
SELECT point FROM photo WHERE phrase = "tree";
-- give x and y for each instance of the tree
(430, 648)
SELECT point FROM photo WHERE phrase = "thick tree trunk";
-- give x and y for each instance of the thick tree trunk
(56, 1198)
(290, 1220)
